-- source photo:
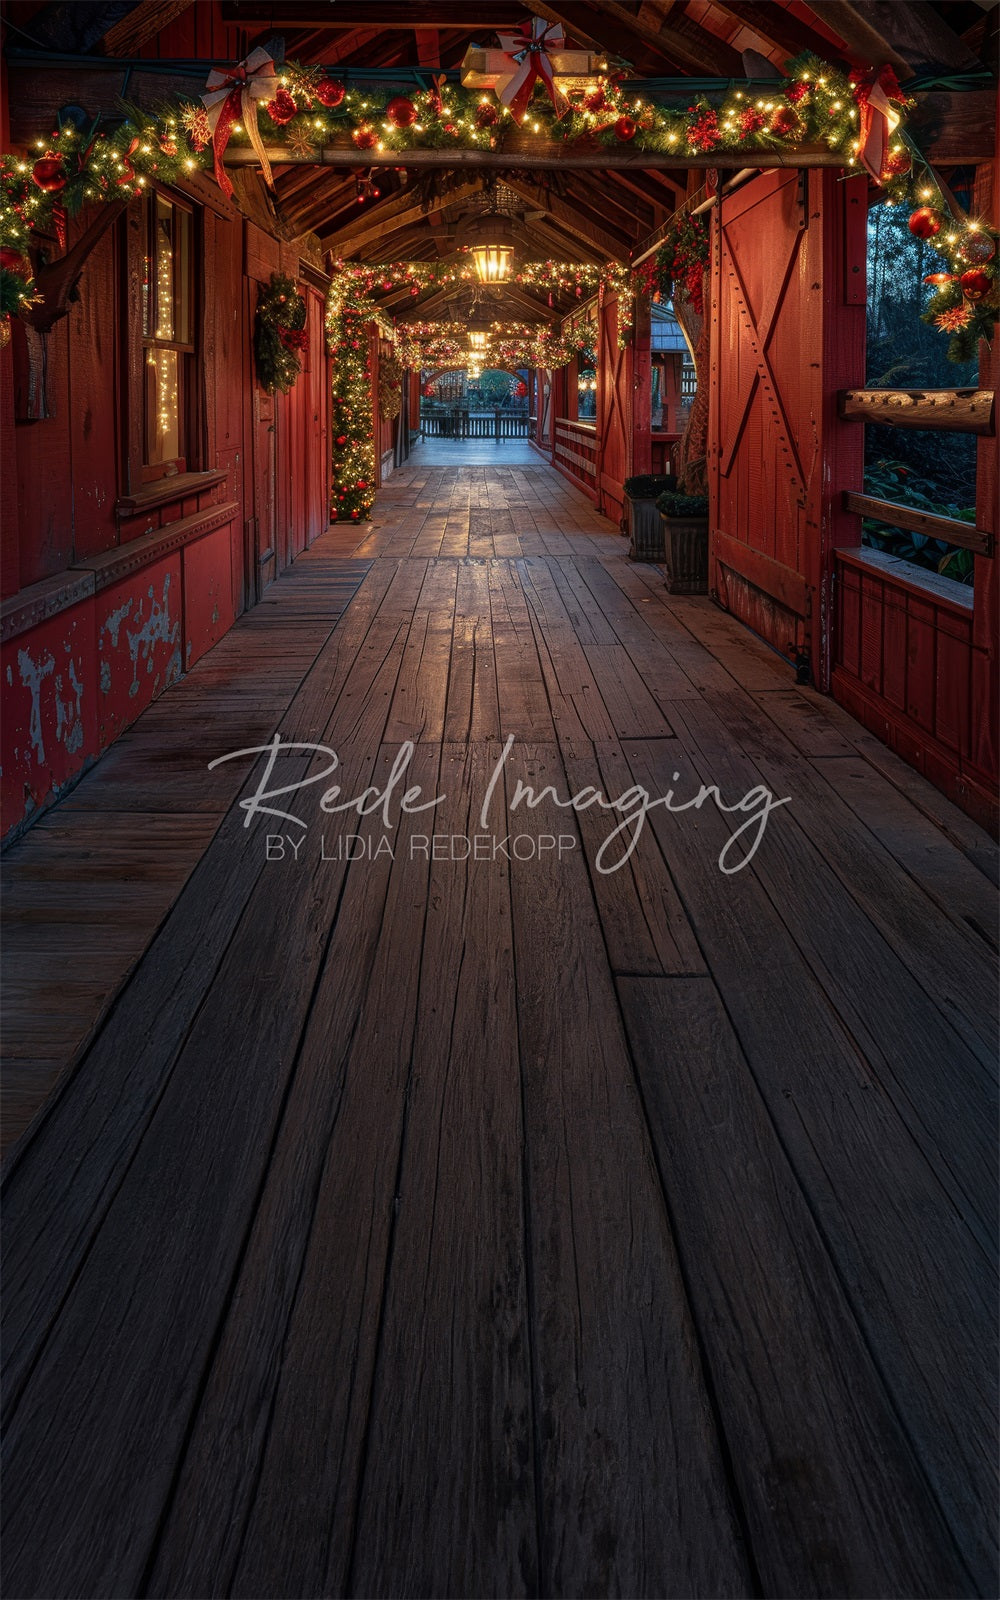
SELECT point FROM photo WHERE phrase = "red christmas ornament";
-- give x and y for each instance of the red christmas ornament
(364, 137)
(342, 439)
(329, 93)
(401, 112)
(48, 173)
(415, 290)
(977, 246)
(796, 92)
(361, 484)
(975, 283)
(926, 222)
(168, 146)
(938, 278)
(487, 115)
(625, 129)
(281, 109)
(787, 123)
(595, 101)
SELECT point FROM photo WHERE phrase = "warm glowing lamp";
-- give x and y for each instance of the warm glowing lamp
(477, 341)
(492, 262)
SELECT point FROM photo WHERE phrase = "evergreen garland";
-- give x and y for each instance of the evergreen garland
(390, 387)
(279, 334)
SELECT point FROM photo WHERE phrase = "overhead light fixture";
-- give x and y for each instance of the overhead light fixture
(492, 262)
(477, 340)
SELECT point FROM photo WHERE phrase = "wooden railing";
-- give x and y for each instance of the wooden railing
(576, 450)
(462, 424)
(950, 529)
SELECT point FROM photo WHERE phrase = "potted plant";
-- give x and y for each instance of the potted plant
(642, 521)
(684, 524)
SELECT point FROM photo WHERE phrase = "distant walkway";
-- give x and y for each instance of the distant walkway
(474, 453)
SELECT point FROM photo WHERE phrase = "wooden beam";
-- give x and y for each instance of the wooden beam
(543, 156)
(863, 41)
(576, 219)
(398, 212)
(950, 529)
(918, 34)
(405, 14)
(141, 24)
(958, 410)
(712, 57)
(776, 25)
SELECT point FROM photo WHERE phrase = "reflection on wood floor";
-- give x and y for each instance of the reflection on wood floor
(436, 1227)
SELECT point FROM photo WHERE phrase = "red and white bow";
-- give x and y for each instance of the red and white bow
(530, 64)
(875, 91)
(233, 95)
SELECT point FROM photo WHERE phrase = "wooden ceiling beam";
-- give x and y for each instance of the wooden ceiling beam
(573, 218)
(397, 212)
(775, 24)
(142, 23)
(631, 213)
(863, 42)
(483, 16)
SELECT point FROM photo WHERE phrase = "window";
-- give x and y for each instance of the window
(162, 433)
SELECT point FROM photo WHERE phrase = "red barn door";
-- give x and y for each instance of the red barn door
(788, 294)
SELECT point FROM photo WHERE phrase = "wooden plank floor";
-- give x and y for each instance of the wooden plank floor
(414, 1225)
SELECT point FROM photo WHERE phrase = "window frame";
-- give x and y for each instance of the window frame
(140, 474)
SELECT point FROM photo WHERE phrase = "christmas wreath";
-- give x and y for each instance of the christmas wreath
(280, 334)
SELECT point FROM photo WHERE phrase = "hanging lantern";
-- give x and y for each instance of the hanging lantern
(493, 248)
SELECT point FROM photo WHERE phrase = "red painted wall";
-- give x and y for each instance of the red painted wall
(106, 604)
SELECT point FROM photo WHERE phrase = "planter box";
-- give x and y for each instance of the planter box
(643, 526)
(685, 553)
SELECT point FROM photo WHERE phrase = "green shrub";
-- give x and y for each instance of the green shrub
(646, 487)
(682, 505)
(893, 480)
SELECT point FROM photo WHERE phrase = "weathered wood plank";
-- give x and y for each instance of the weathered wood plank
(797, 1427)
(603, 1257)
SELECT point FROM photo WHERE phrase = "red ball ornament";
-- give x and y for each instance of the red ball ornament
(976, 246)
(342, 439)
(361, 484)
(364, 137)
(487, 115)
(975, 283)
(48, 174)
(281, 109)
(415, 290)
(401, 112)
(625, 129)
(329, 93)
(926, 222)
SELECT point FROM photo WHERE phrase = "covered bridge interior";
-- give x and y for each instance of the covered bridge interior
(383, 1219)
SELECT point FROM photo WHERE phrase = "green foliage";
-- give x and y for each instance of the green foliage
(647, 487)
(682, 505)
(279, 333)
(896, 481)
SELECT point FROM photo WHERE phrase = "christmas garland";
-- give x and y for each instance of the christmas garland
(279, 334)
(303, 110)
(353, 454)
(390, 387)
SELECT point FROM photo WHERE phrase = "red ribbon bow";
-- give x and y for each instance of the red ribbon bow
(528, 52)
(875, 90)
(234, 93)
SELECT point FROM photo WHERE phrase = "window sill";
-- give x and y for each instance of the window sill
(165, 490)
